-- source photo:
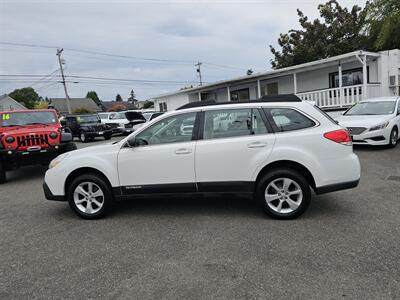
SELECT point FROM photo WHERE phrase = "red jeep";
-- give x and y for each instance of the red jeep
(29, 137)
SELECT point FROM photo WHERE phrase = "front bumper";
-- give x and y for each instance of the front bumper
(49, 195)
(98, 133)
(376, 137)
(16, 158)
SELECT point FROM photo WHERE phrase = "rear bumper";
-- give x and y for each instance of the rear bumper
(336, 187)
(49, 195)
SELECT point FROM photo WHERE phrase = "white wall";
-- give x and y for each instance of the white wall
(173, 101)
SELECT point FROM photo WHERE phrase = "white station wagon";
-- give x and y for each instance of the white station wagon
(279, 149)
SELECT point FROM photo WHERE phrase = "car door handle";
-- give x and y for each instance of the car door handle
(257, 145)
(183, 151)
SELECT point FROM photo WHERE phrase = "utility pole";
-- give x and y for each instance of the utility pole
(59, 51)
(198, 65)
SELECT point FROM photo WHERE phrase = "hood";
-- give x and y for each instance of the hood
(35, 129)
(96, 148)
(134, 116)
(362, 121)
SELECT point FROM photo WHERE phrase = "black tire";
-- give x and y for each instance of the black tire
(83, 137)
(3, 178)
(285, 212)
(107, 200)
(107, 136)
(394, 136)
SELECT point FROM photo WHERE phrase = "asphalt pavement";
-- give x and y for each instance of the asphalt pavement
(347, 245)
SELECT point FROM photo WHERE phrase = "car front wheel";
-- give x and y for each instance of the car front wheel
(82, 137)
(2, 173)
(394, 136)
(283, 193)
(90, 196)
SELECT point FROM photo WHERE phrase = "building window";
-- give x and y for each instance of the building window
(240, 95)
(163, 106)
(349, 77)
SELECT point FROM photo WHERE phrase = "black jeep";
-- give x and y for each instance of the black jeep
(86, 127)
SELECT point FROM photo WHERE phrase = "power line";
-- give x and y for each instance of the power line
(24, 76)
(122, 56)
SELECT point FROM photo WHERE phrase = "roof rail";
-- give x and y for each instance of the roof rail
(266, 98)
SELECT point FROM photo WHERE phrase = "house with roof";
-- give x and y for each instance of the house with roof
(60, 104)
(8, 103)
(106, 105)
(334, 82)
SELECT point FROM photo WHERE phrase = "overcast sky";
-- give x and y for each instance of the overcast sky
(232, 34)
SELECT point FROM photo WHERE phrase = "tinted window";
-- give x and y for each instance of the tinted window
(287, 119)
(175, 129)
(233, 122)
(27, 117)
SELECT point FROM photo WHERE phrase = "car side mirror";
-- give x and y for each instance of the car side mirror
(137, 142)
(63, 123)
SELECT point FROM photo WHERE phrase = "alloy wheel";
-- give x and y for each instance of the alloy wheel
(394, 137)
(283, 195)
(88, 197)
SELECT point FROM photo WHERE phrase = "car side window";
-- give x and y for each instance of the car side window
(287, 119)
(175, 129)
(398, 107)
(233, 122)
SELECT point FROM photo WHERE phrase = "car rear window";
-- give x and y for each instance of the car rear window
(287, 119)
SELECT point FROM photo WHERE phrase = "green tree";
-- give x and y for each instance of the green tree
(118, 98)
(383, 24)
(148, 104)
(132, 97)
(27, 96)
(82, 110)
(93, 95)
(338, 31)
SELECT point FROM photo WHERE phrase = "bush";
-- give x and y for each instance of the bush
(41, 105)
(82, 110)
(117, 107)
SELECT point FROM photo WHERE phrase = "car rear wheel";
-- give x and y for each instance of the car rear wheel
(394, 136)
(283, 193)
(2, 173)
(90, 196)
(82, 137)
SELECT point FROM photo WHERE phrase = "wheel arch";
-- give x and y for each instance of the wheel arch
(289, 164)
(81, 171)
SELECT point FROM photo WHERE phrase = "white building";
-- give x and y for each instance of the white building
(333, 82)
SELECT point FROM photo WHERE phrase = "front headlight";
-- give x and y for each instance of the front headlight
(380, 126)
(55, 162)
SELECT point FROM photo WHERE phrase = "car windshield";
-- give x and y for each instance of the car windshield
(88, 119)
(27, 118)
(371, 108)
(118, 116)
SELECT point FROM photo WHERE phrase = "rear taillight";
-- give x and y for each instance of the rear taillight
(340, 136)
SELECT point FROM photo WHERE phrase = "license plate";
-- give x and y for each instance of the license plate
(101, 132)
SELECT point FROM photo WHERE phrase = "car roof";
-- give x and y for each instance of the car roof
(26, 110)
(264, 99)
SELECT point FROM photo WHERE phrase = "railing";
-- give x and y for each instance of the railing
(332, 97)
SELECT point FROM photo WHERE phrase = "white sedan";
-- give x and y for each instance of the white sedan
(373, 121)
